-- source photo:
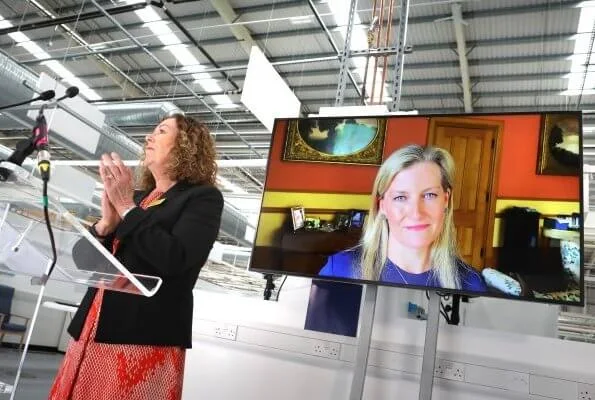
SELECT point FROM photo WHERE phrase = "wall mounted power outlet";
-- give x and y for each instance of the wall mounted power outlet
(449, 370)
(586, 392)
(226, 331)
(326, 349)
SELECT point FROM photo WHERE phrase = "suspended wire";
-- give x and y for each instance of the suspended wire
(266, 38)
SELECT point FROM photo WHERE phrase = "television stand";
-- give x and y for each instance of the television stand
(426, 382)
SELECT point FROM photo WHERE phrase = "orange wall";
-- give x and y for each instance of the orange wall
(517, 175)
(317, 177)
(518, 164)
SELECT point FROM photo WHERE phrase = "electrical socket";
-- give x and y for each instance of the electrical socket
(226, 331)
(586, 392)
(326, 349)
(450, 370)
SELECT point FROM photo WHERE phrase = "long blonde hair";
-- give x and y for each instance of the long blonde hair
(374, 242)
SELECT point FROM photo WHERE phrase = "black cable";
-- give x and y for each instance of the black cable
(49, 227)
(444, 313)
(445, 316)
(280, 287)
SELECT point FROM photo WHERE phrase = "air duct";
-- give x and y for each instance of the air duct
(137, 114)
(15, 82)
(12, 89)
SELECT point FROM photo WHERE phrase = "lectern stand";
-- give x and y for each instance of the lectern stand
(25, 246)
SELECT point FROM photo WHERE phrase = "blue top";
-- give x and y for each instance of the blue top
(340, 265)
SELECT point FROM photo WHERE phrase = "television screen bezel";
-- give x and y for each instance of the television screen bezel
(466, 293)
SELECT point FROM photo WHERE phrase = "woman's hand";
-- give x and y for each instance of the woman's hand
(109, 217)
(117, 181)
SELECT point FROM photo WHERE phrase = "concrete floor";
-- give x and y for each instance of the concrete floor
(37, 375)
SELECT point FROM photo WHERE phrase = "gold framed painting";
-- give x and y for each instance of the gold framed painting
(559, 144)
(336, 140)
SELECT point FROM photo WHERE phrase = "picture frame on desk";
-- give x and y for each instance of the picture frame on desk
(342, 221)
(357, 218)
(298, 217)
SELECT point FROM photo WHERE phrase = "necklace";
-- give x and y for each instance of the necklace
(399, 271)
(395, 266)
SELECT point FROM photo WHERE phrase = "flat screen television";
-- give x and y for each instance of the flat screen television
(476, 204)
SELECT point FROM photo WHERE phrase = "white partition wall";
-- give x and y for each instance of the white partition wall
(247, 348)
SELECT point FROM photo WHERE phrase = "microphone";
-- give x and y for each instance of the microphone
(43, 96)
(40, 136)
(69, 94)
(47, 95)
(41, 143)
(37, 141)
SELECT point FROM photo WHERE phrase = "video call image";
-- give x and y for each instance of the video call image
(484, 204)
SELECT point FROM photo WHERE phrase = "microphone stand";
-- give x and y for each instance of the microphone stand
(26, 147)
(39, 141)
(44, 96)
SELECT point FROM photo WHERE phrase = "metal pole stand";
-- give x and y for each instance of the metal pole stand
(28, 340)
(365, 337)
(426, 381)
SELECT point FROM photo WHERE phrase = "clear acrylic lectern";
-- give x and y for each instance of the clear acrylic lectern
(25, 246)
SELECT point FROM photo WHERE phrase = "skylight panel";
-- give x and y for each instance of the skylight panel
(184, 57)
(210, 85)
(148, 14)
(183, 54)
(580, 55)
(34, 49)
(18, 37)
(224, 101)
(69, 77)
(4, 23)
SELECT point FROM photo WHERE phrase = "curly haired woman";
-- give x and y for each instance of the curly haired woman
(127, 346)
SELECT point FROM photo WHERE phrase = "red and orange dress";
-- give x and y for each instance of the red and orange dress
(102, 371)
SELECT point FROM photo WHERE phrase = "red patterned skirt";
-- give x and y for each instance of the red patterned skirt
(101, 371)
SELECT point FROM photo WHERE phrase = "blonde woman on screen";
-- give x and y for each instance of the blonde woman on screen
(408, 236)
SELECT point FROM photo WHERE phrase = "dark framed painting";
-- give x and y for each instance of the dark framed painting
(336, 140)
(559, 145)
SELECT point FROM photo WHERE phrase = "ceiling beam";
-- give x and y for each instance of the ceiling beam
(407, 83)
(329, 57)
(128, 85)
(350, 95)
(332, 72)
(239, 31)
(458, 23)
(197, 45)
(457, 94)
(76, 17)
(285, 6)
(417, 48)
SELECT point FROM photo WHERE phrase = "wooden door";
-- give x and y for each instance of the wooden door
(473, 144)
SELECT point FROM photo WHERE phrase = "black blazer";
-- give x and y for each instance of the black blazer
(171, 240)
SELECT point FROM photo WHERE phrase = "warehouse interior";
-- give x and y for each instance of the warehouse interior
(136, 61)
